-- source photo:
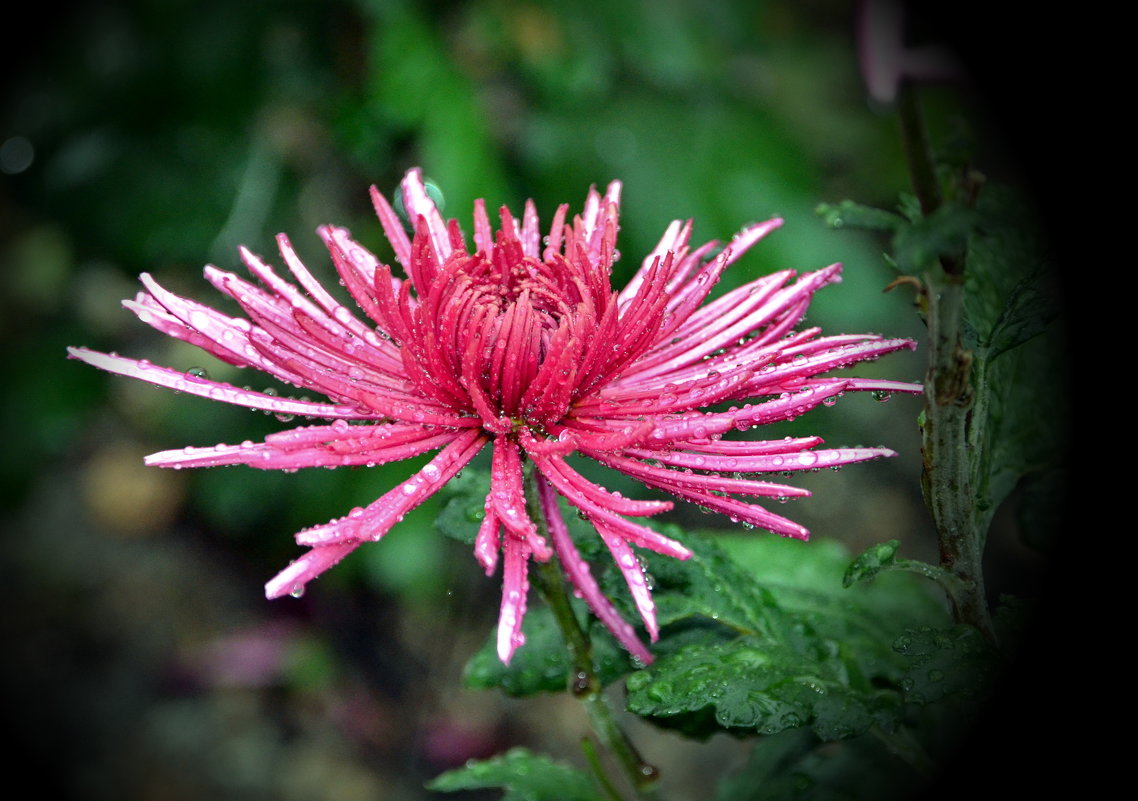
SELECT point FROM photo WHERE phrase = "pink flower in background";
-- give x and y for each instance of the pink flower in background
(523, 345)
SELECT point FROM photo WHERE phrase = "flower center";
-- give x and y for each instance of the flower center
(501, 334)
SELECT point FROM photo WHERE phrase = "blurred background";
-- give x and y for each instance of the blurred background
(157, 135)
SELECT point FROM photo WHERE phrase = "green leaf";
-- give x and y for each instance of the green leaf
(759, 651)
(542, 664)
(806, 578)
(1028, 432)
(753, 686)
(523, 775)
(955, 663)
(870, 562)
(848, 214)
(791, 766)
(709, 588)
(1030, 308)
(772, 770)
(945, 232)
(1008, 298)
(465, 508)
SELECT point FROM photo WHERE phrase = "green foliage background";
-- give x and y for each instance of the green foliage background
(165, 133)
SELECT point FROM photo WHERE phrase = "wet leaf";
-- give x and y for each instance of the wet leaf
(523, 776)
(870, 562)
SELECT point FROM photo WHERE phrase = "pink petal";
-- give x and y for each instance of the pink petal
(419, 204)
(375, 520)
(215, 390)
(515, 586)
(292, 580)
(577, 570)
(634, 577)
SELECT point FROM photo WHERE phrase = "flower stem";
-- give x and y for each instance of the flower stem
(954, 587)
(955, 414)
(583, 680)
(590, 750)
(915, 142)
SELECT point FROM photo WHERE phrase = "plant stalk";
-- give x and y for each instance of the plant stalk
(953, 429)
(583, 680)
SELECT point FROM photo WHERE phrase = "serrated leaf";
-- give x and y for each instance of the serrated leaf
(1027, 423)
(1030, 308)
(753, 686)
(747, 684)
(805, 579)
(870, 562)
(782, 645)
(954, 662)
(523, 775)
(709, 589)
(909, 206)
(1005, 267)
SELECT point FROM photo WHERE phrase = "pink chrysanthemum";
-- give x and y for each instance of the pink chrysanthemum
(522, 345)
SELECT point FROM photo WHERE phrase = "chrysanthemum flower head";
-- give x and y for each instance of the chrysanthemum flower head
(518, 342)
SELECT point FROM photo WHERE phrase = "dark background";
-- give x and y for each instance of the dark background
(142, 660)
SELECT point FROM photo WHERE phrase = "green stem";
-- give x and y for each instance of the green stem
(583, 680)
(594, 760)
(953, 431)
(916, 145)
(953, 586)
